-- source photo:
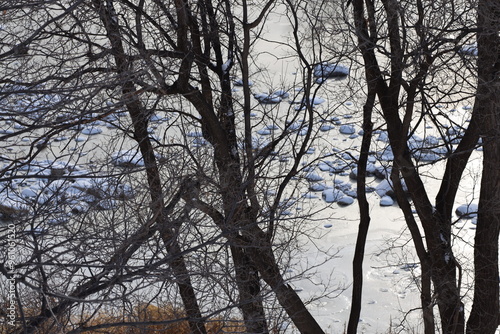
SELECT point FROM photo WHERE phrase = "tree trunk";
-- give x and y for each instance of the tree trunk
(263, 258)
(484, 317)
(364, 209)
(248, 281)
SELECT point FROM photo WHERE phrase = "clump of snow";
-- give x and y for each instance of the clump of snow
(383, 136)
(317, 186)
(157, 118)
(127, 158)
(386, 201)
(266, 98)
(194, 134)
(385, 154)
(332, 195)
(347, 129)
(272, 127)
(92, 130)
(28, 193)
(469, 49)
(345, 201)
(328, 70)
(385, 188)
(467, 210)
(313, 177)
(282, 93)
(264, 132)
(426, 156)
(326, 127)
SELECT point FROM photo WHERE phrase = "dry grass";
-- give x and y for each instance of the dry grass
(151, 313)
(108, 323)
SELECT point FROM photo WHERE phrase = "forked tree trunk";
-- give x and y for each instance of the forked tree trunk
(440, 261)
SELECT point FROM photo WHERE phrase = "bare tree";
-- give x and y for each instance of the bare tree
(171, 200)
(406, 48)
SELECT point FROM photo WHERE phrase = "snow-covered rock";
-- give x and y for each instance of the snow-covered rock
(127, 158)
(328, 70)
(156, 118)
(194, 134)
(382, 172)
(469, 49)
(316, 100)
(386, 201)
(28, 193)
(92, 130)
(324, 166)
(294, 126)
(347, 129)
(431, 141)
(332, 195)
(11, 205)
(383, 137)
(385, 187)
(385, 154)
(199, 142)
(272, 127)
(282, 93)
(266, 98)
(264, 132)
(345, 201)
(326, 127)
(258, 142)
(426, 156)
(318, 186)
(313, 177)
(311, 150)
(467, 210)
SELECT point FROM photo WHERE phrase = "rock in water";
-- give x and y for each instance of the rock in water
(386, 201)
(345, 201)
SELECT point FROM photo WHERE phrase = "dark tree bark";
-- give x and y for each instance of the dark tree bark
(364, 209)
(484, 317)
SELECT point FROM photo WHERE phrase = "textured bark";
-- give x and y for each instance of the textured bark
(484, 317)
(248, 281)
